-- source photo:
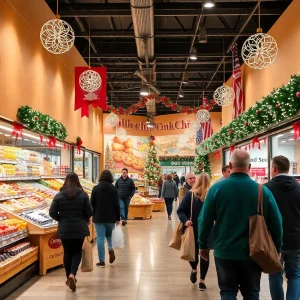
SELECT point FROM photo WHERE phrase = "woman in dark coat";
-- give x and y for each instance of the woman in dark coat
(160, 183)
(72, 209)
(169, 192)
(106, 213)
(198, 191)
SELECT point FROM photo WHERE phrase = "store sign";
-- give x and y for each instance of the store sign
(54, 242)
(176, 163)
(258, 171)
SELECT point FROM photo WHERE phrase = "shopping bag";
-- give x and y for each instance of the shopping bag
(87, 257)
(262, 248)
(117, 238)
(176, 238)
(187, 249)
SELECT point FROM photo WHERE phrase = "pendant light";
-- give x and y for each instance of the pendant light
(144, 90)
(180, 94)
(185, 79)
(193, 54)
(208, 3)
(202, 35)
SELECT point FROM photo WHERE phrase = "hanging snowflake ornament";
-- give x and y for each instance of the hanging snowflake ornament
(260, 50)
(202, 116)
(90, 81)
(121, 132)
(112, 120)
(57, 36)
(224, 95)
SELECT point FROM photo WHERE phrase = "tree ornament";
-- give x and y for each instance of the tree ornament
(298, 94)
(246, 123)
(202, 116)
(44, 124)
(57, 36)
(112, 120)
(224, 95)
(121, 132)
(257, 111)
(230, 131)
(36, 118)
(90, 81)
(259, 51)
(277, 105)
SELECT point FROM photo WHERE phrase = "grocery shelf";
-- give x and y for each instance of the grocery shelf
(12, 238)
(15, 162)
(14, 197)
(53, 177)
(18, 178)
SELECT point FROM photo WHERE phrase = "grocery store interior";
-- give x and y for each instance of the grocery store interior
(153, 86)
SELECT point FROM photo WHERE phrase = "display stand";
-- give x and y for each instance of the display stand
(158, 206)
(140, 211)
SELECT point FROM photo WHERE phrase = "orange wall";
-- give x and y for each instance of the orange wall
(30, 75)
(258, 83)
(164, 119)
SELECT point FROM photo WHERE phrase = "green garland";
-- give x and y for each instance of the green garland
(279, 105)
(176, 157)
(43, 124)
(202, 164)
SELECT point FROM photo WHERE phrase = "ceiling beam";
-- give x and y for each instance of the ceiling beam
(158, 56)
(120, 70)
(164, 90)
(125, 81)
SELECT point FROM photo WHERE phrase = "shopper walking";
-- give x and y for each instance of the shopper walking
(286, 191)
(190, 179)
(195, 197)
(182, 179)
(169, 192)
(160, 183)
(176, 178)
(225, 173)
(126, 190)
(230, 203)
(106, 213)
(72, 209)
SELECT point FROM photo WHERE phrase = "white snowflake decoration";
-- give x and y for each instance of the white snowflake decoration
(112, 120)
(121, 132)
(57, 36)
(259, 51)
(195, 126)
(224, 95)
(90, 81)
(202, 116)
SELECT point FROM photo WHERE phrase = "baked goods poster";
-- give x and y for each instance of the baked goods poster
(131, 151)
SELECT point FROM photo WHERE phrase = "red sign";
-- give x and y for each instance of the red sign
(54, 242)
(258, 171)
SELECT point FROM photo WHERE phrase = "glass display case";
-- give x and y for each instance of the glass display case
(88, 165)
(78, 162)
(96, 167)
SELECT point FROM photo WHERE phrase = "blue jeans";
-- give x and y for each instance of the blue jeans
(291, 262)
(169, 205)
(235, 275)
(124, 205)
(103, 230)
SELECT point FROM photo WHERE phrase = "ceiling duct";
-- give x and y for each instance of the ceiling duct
(142, 12)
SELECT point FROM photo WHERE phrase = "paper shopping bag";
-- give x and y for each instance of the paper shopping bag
(87, 257)
(176, 238)
(187, 249)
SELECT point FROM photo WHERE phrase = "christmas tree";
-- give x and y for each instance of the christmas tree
(152, 167)
(202, 164)
(109, 161)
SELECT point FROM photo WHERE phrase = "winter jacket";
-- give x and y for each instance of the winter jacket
(230, 203)
(176, 179)
(105, 203)
(169, 189)
(286, 191)
(182, 180)
(72, 214)
(125, 187)
(183, 190)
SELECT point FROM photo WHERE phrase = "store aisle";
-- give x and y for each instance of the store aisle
(145, 270)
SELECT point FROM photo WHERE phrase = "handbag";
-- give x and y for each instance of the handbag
(187, 249)
(262, 248)
(87, 256)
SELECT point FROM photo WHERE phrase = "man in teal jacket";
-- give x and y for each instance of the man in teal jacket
(230, 203)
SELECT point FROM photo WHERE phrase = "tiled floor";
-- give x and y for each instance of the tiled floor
(146, 269)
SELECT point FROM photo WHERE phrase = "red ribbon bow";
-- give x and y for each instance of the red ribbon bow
(51, 143)
(255, 141)
(17, 130)
(218, 154)
(232, 148)
(296, 127)
(79, 144)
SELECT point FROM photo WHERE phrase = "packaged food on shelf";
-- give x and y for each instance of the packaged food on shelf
(39, 217)
(9, 228)
(3, 215)
(153, 200)
(137, 199)
(22, 204)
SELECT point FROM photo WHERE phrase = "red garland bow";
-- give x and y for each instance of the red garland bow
(296, 127)
(51, 143)
(218, 154)
(41, 139)
(232, 148)
(79, 144)
(17, 130)
(255, 141)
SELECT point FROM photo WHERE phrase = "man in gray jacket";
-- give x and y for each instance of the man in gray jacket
(169, 192)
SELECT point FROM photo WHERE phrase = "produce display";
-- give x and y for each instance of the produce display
(137, 199)
(155, 200)
(87, 185)
(52, 184)
(39, 217)
(3, 215)
(11, 227)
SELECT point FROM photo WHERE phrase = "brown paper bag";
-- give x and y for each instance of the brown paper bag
(87, 257)
(262, 248)
(187, 249)
(176, 238)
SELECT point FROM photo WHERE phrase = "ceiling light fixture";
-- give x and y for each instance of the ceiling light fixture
(283, 141)
(193, 54)
(180, 94)
(202, 35)
(185, 79)
(208, 3)
(144, 90)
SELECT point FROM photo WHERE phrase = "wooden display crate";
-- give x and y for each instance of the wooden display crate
(14, 266)
(140, 211)
(158, 206)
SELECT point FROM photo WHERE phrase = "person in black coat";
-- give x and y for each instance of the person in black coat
(197, 195)
(286, 191)
(72, 209)
(106, 213)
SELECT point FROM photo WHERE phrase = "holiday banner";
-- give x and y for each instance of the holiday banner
(90, 88)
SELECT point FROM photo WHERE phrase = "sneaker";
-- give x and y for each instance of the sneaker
(169, 217)
(112, 256)
(193, 277)
(68, 282)
(124, 223)
(72, 284)
(202, 286)
(100, 264)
